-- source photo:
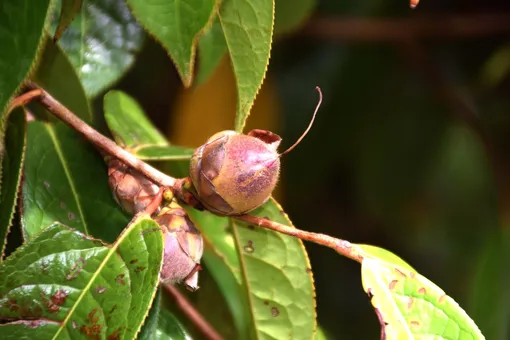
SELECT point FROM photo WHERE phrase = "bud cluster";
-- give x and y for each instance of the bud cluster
(183, 243)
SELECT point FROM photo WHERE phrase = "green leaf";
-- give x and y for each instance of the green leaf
(21, 31)
(132, 129)
(56, 75)
(221, 259)
(271, 260)
(489, 302)
(86, 288)
(383, 255)
(290, 14)
(177, 25)
(69, 9)
(211, 49)
(248, 29)
(101, 42)
(12, 164)
(411, 306)
(169, 328)
(151, 321)
(66, 180)
(265, 261)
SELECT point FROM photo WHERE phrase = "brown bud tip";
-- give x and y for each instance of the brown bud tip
(234, 173)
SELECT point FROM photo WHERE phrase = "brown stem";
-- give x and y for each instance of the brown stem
(191, 313)
(343, 247)
(25, 98)
(105, 144)
(396, 30)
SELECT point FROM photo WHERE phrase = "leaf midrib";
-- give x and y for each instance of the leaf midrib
(112, 250)
(60, 154)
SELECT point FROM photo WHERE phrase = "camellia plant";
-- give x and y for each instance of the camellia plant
(107, 239)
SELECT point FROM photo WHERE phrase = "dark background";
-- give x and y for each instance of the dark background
(408, 152)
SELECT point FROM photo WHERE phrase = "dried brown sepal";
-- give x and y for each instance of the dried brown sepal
(132, 190)
(183, 246)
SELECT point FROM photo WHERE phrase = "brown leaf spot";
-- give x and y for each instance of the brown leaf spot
(70, 216)
(140, 269)
(75, 325)
(92, 318)
(275, 312)
(422, 291)
(120, 279)
(53, 308)
(91, 332)
(62, 205)
(115, 335)
(308, 270)
(249, 247)
(412, 274)
(60, 297)
(442, 298)
(382, 323)
(133, 261)
(251, 227)
(12, 305)
(46, 184)
(100, 289)
(410, 303)
(266, 303)
(399, 272)
(76, 269)
(415, 324)
(369, 292)
(393, 284)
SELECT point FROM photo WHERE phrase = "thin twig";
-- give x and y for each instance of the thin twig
(24, 99)
(105, 144)
(343, 247)
(395, 30)
(191, 313)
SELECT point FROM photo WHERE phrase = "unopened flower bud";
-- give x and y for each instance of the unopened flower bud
(183, 245)
(235, 173)
(132, 190)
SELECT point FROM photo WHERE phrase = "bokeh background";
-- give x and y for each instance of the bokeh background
(408, 152)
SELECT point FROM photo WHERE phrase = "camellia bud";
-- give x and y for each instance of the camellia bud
(183, 246)
(132, 190)
(233, 173)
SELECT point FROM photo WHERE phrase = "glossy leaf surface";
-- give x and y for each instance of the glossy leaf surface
(248, 30)
(177, 26)
(132, 129)
(12, 164)
(272, 270)
(102, 42)
(66, 181)
(21, 29)
(73, 286)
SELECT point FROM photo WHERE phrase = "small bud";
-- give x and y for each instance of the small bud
(233, 173)
(132, 190)
(183, 246)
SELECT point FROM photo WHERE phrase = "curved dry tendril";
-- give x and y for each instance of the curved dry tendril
(309, 125)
